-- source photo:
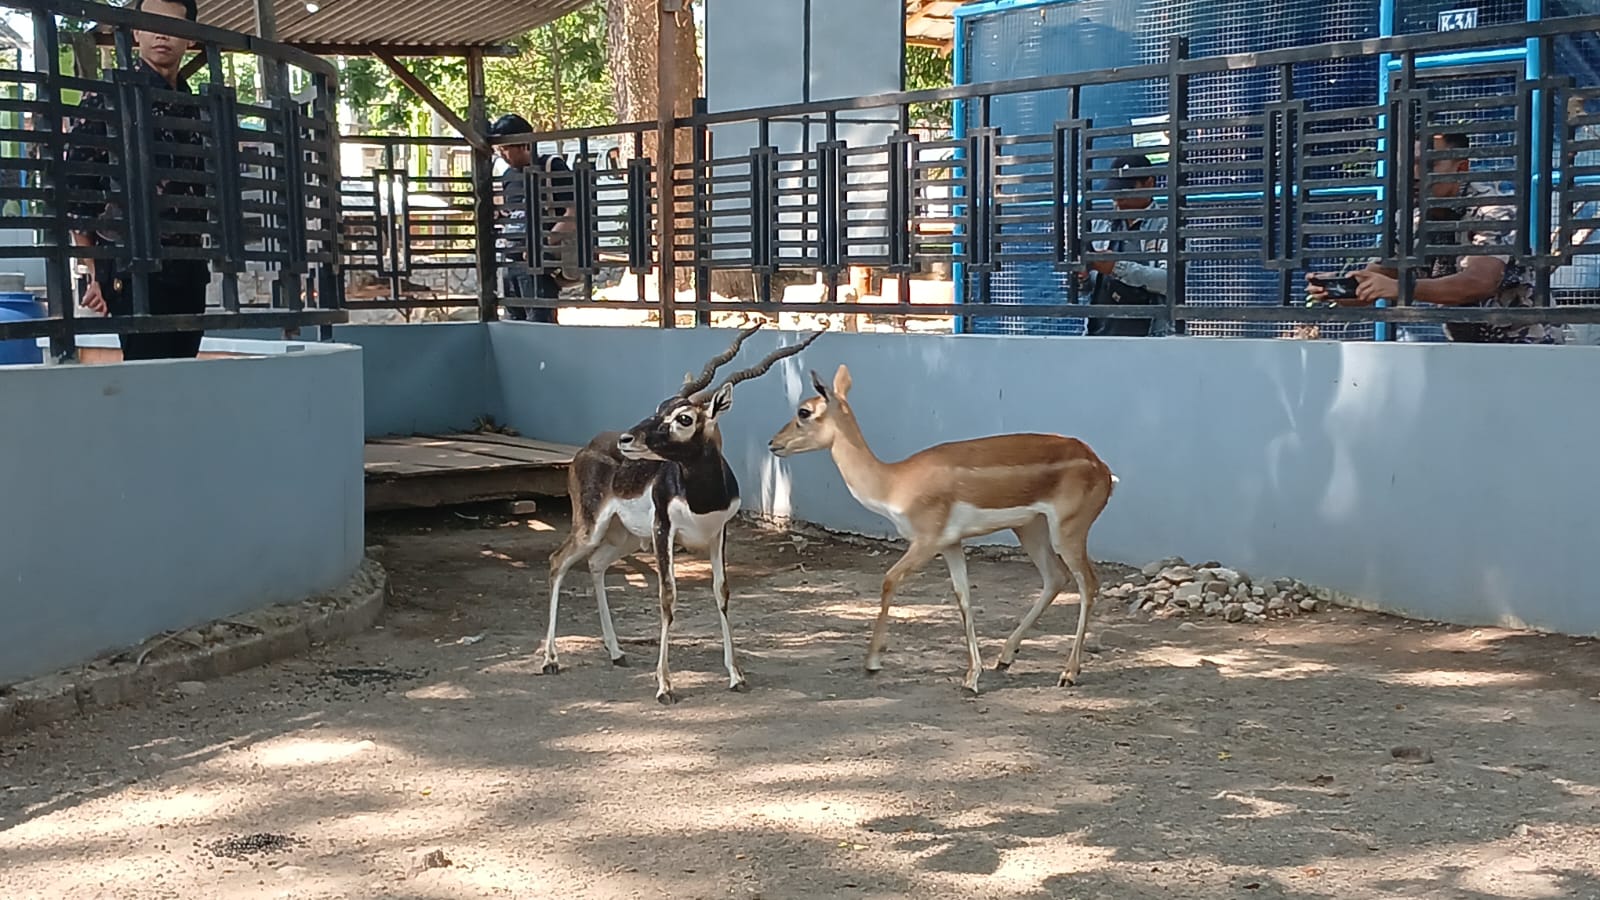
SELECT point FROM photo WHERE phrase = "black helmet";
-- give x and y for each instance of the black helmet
(508, 124)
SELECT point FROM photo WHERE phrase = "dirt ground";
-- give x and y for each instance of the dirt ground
(1211, 761)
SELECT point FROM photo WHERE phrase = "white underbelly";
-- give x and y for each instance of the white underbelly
(637, 514)
(698, 530)
(968, 521)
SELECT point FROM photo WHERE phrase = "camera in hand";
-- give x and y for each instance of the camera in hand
(1339, 288)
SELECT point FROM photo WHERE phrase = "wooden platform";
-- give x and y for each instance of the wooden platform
(425, 471)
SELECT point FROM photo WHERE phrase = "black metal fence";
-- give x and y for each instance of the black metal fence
(1293, 184)
(241, 177)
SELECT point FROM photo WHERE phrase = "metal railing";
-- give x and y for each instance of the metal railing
(409, 224)
(1251, 197)
(244, 181)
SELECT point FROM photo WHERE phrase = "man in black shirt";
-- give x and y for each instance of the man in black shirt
(179, 286)
(522, 280)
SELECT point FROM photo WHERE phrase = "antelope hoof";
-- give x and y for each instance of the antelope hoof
(971, 688)
(1002, 665)
(552, 668)
(873, 670)
(740, 687)
(1067, 680)
(666, 698)
(620, 662)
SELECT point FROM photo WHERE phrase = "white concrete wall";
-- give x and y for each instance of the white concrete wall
(1450, 482)
(139, 497)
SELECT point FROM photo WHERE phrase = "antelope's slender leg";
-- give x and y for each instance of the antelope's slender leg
(669, 599)
(578, 545)
(1035, 539)
(1073, 545)
(612, 549)
(719, 587)
(956, 558)
(916, 556)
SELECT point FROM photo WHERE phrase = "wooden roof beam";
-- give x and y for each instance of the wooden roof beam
(478, 141)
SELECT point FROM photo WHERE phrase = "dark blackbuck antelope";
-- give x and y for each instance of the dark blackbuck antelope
(1046, 488)
(663, 481)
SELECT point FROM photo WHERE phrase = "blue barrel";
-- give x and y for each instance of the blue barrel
(17, 306)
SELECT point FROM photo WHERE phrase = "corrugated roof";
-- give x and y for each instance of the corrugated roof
(931, 23)
(392, 24)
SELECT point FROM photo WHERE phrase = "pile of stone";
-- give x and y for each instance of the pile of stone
(1171, 587)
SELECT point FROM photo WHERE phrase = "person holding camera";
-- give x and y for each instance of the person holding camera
(1127, 282)
(1488, 280)
(520, 278)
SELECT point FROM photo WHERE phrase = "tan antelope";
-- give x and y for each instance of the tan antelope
(664, 481)
(1046, 488)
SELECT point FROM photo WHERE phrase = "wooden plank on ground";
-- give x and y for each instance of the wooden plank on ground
(506, 439)
(398, 460)
(509, 452)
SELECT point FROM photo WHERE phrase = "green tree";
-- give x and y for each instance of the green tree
(927, 68)
(558, 79)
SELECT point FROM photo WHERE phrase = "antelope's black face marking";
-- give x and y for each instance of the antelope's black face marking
(679, 431)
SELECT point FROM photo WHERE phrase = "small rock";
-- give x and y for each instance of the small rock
(1524, 830)
(1415, 755)
(1258, 591)
(1153, 569)
(1231, 576)
(1234, 612)
(218, 632)
(432, 860)
(1178, 575)
(1213, 608)
(1188, 626)
(524, 507)
(1254, 619)
(1189, 592)
(1308, 604)
(1210, 564)
(191, 688)
(1138, 579)
(1276, 604)
(1216, 589)
(1254, 609)
(291, 873)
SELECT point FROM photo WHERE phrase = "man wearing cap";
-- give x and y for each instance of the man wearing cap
(522, 280)
(1125, 282)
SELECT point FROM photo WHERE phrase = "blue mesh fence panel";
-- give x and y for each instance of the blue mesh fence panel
(1084, 35)
(1422, 16)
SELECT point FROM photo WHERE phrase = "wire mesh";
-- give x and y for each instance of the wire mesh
(1083, 35)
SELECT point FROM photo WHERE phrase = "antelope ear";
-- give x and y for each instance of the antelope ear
(816, 382)
(841, 382)
(721, 401)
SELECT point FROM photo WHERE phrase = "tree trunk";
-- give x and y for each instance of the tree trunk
(632, 27)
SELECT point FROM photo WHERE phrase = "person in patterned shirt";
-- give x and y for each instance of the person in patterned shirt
(1490, 280)
(179, 286)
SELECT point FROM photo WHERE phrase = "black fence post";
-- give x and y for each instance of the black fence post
(482, 192)
(60, 283)
(701, 240)
(1177, 110)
